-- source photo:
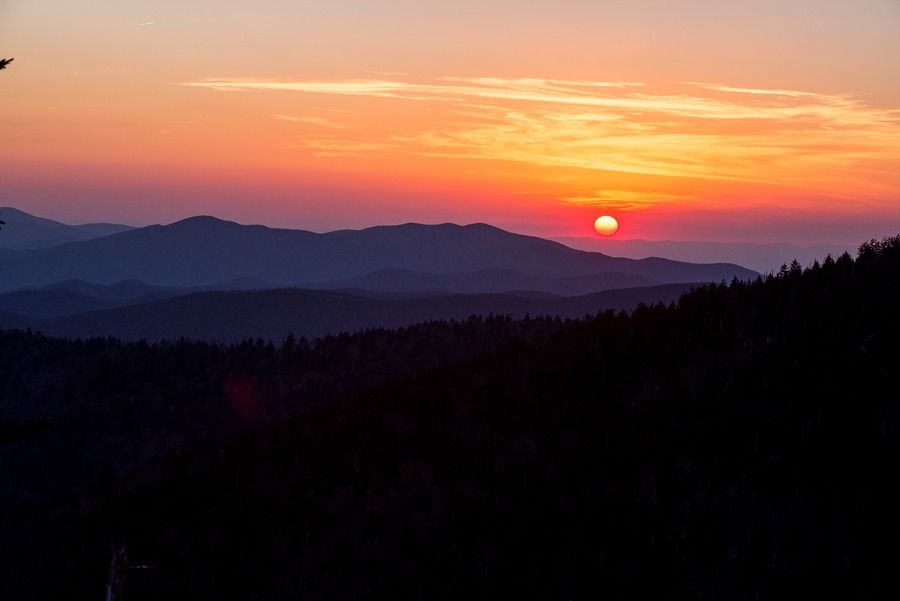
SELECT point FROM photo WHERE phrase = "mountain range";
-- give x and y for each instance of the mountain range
(764, 258)
(405, 281)
(232, 316)
(207, 278)
(25, 231)
(205, 251)
(28, 232)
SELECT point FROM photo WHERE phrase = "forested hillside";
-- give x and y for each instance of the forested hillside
(272, 314)
(740, 444)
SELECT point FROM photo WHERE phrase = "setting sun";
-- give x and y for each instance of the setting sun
(606, 225)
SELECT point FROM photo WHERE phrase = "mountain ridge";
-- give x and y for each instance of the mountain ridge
(232, 316)
(484, 281)
(761, 257)
(205, 250)
(25, 231)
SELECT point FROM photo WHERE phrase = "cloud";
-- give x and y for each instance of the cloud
(696, 130)
(625, 200)
(320, 121)
(592, 94)
(725, 88)
(335, 148)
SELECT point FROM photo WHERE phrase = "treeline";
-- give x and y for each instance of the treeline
(75, 410)
(738, 445)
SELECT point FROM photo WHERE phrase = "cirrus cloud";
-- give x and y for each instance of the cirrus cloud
(696, 130)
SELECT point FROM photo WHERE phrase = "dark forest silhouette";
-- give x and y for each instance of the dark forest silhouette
(736, 445)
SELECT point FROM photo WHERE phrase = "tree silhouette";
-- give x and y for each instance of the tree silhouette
(4, 62)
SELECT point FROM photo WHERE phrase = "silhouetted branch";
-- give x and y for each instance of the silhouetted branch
(4, 62)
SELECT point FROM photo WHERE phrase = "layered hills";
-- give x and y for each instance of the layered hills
(26, 231)
(212, 279)
(232, 316)
(205, 251)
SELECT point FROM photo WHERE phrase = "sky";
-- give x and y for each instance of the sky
(747, 121)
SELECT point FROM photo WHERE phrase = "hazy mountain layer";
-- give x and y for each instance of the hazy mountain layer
(24, 231)
(273, 314)
(485, 281)
(204, 250)
(77, 296)
(760, 257)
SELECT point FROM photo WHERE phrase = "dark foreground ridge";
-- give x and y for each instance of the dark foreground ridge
(739, 445)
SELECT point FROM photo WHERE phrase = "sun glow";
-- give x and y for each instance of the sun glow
(693, 137)
(348, 114)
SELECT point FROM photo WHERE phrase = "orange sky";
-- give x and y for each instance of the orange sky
(746, 121)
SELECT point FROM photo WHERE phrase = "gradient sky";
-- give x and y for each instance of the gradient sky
(697, 119)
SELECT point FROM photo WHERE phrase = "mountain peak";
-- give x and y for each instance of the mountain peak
(201, 220)
(25, 231)
(12, 214)
(14, 211)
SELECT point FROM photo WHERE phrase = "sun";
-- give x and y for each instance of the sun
(606, 225)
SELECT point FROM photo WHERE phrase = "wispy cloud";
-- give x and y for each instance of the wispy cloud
(574, 93)
(320, 121)
(625, 200)
(333, 147)
(706, 131)
(147, 24)
(388, 73)
(718, 87)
